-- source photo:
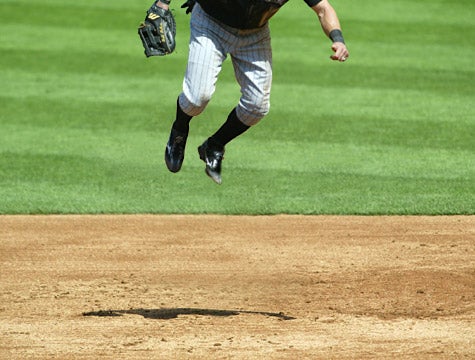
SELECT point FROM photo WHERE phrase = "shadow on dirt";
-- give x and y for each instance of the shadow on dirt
(172, 313)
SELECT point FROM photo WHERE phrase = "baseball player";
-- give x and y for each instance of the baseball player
(238, 28)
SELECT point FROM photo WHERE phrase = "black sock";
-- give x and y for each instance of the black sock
(232, 128)
(182, 121)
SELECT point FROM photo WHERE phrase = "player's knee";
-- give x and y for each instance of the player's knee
(194, 105)
(251, 115)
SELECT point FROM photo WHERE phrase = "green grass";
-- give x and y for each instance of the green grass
(84, 116)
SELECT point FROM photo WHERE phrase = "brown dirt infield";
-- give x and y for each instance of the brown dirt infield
(237, 287)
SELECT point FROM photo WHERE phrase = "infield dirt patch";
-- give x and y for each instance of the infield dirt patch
(237, 287)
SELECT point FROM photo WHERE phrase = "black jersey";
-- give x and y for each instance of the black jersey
(244, 14)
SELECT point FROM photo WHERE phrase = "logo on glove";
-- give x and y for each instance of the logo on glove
(153, 16)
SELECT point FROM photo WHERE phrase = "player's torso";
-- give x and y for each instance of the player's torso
(242, 14)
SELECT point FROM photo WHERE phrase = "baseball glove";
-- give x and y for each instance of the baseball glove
(158, 31)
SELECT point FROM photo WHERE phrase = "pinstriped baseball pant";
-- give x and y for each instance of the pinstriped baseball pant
(251, 55)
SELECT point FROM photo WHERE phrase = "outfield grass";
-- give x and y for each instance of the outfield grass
(85, 116)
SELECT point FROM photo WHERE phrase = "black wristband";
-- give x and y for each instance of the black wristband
(336, 36)
(166, 2)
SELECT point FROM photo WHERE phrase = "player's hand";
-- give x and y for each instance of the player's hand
(188, 5)
(340, 52)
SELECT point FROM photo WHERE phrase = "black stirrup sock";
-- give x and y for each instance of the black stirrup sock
(232, 128)
(182, 121)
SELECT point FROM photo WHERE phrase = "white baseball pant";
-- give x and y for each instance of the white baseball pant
(251, 54)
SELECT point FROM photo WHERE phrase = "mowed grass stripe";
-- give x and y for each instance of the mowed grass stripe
(139, 190)
(366, 130)
(385, 104)
(76, 17)
(450, 82)
(92, 62)
(431, 11)
(401, 11)
(441, 81)
(127, 148)
(396, 32)
(315, 54)
(88, 87)
(58, 116)
(112, 42)
(399, 103)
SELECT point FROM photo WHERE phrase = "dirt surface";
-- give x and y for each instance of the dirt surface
(222, 287)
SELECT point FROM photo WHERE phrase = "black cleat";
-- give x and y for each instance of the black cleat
(212, 156)
(175, 150)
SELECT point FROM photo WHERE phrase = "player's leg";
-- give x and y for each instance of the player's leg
(207, 51)
(252, 61)
(206, 55)
(253, 70)
(175, 149)
(212, 150)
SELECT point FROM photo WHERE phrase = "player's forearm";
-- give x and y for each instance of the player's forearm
(331, 26)
(327, 17)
